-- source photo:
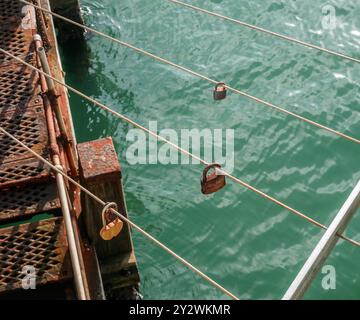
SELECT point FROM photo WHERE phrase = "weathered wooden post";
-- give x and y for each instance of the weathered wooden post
(101, 173)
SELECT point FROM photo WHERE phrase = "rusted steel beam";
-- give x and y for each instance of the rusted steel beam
(87, 256)
(58, 160)
(68, 157)
(42, 26)
(100, 173)
(61, 92)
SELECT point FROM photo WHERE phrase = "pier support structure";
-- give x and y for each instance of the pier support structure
(100, 173)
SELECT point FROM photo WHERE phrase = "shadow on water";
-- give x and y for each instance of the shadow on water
(86, 74)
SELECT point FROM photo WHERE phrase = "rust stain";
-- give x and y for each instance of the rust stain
(98, 158)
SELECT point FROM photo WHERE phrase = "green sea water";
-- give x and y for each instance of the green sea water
(252, 247)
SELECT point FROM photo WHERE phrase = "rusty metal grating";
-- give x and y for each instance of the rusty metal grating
(22, 172)
(18, 42)
(35, 198)
(10, 11)
(29, 127)
(19, 88)
(41, 245)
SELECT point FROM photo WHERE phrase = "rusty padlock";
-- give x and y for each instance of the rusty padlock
(112, 225)
(220, 91)
(212, 182)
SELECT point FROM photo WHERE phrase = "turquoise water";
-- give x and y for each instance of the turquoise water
(252, 247)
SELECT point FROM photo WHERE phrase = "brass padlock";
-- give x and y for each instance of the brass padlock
(212, 182)
(112, 225)
(220, 91)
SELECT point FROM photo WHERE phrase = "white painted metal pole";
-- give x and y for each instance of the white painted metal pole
(324, 247)
(75, 260)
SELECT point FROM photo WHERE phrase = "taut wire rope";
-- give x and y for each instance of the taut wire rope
(168, 62)
(135, 124)
(276, 34)
(122, 217)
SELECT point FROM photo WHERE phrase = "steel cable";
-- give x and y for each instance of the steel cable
(122, 217)
(135, 124)
(251, 26)
(165, 61)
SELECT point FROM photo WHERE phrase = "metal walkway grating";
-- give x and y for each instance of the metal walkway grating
(32, 199)
(30, 128)
(19, 88)
(21, 105)
(10, 11)
(18, 42)
(22, 172)
(41, 245)
(26, 185)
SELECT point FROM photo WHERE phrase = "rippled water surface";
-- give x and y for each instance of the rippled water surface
(249, 245)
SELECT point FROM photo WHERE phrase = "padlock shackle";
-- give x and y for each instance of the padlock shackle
(207, 168)
(220, 84)
(108, 206)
